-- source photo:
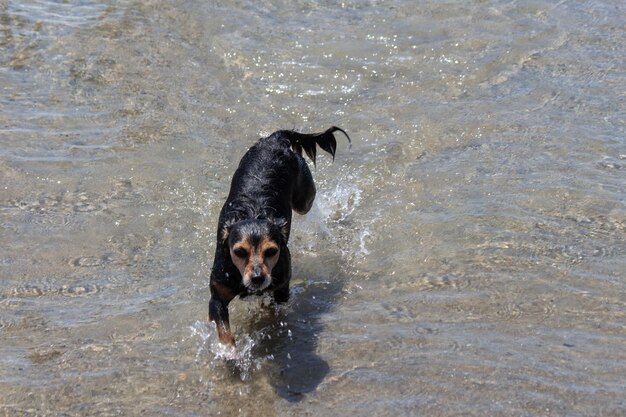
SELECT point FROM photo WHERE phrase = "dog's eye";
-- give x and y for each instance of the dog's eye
(241, 253)
(270, 252)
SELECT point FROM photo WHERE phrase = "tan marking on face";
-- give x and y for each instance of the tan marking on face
(259, 259)
(237, 250)
(269, 259)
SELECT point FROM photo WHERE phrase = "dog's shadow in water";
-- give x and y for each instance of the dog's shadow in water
(293, 336)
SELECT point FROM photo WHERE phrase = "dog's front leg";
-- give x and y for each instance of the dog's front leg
(218, 313)
(281, 294)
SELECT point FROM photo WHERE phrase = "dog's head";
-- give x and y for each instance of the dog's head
(254, 246)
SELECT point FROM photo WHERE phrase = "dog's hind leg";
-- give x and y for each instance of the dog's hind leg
(304, 191)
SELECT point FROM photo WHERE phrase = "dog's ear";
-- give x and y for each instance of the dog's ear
(283, 226)
(225, 230)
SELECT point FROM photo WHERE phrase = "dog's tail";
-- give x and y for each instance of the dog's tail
(309, 141)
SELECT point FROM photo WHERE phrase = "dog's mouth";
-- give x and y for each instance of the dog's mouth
(258, 283)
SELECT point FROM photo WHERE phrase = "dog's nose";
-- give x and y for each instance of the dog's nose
(257, 280)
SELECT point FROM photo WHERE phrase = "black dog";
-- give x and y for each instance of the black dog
(251, 254)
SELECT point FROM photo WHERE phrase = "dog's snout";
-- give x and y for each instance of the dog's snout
(257, 280)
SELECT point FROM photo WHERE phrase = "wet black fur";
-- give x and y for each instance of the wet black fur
(272, 180)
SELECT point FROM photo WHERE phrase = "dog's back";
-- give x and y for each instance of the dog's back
(273, 178)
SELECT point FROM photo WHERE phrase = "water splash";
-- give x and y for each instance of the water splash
(339, 203)
(363, 234)
(240, 358)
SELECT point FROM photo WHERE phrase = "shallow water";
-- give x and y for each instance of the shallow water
(465, 256)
